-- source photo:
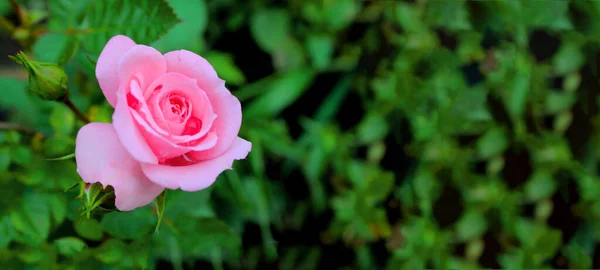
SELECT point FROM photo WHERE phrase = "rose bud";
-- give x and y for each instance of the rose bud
(47, 80)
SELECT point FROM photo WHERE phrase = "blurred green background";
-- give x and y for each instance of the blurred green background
(386, 135)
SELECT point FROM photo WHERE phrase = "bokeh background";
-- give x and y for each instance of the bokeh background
(386, 135)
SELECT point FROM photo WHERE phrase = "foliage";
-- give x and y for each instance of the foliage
(386, 135)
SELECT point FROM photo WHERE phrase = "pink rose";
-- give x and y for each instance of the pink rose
(175, 125)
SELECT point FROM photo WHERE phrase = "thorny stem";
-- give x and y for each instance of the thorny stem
(77, 112)
(19, 11)
(6, 26)
(17, 74)
(13, 126)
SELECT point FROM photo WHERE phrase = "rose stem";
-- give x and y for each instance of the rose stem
(77, 112)
(13, 126)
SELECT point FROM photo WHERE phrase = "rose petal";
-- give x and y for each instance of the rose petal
(128, 132)
(200, 175)
(187, 87)
(136, 93)
(101, 158)
(226, 106)
(106, 67)
(141, 61)
(163, 145)
(163, 148)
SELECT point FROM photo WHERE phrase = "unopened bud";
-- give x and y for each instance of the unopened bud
(46, 80)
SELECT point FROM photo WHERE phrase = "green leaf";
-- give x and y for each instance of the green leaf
(58, 207)
(89, 228)
(372, 128)
(320, 49)
(313, 170)
(280, 142)
(216, 233)
(364, 257)
(550, 14)
(551, 150)
(577, 257)
(11, 192)
(289, 56)
(589, 186)
(225, 67)
(334, 100)
(32, 220)
(189, 33)
(471, 225)
(558, 102)
(111, 251)
(312, 13)
(527, 232)
(49, 47)
(56, 48)
(177, 206)
(20, 155)
(4, 159)
(568, 59)
(198, 237)
(129, 225)
(254, 89)
(408, 16)
(469, 47)
(58, 145)
(236, 20)
(282, 92)
(543, 209)
(339, 14)
(37, 15)
(15, 98)
(32, 255)
(5, 8)
(144, 21)
(7, 232)
(69, 246)
(541, 185)
(160, 208)
(548, 244)
(520, 88)
(515, 259)
(452, 15)
(425, 185)
(474, 249)
(572, 82)
(12, 137)
(492, 143)
(261, 213)
(62, 119)
(138, 256)
(67, 177)
(69, 51)
(256, 156)
(260, 208)
(380, 184)
(270, 28)
(66, 14)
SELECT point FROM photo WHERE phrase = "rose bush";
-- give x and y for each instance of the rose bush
(175, 124)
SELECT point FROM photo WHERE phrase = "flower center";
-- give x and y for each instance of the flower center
(176, 108)
(177, 105)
